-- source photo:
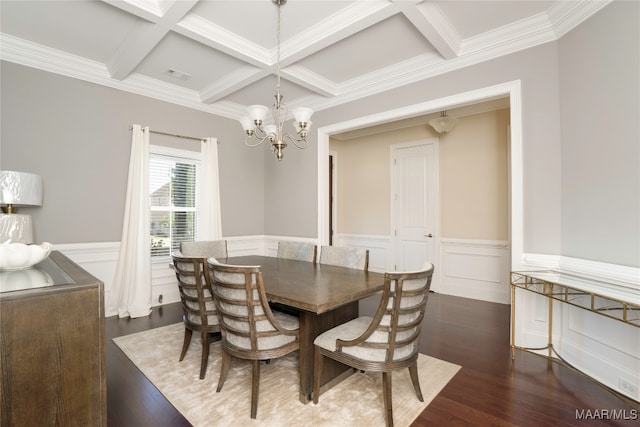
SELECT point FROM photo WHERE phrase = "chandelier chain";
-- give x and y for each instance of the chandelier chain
(256, 129)
(278, 53)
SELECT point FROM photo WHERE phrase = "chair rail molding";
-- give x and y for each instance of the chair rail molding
(619, 281)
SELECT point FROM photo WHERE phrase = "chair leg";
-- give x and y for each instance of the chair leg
(186, 342)
(386, 391)
(413, 372)
(205, 354)
(317, 374)
(255, 387)
(224, 370)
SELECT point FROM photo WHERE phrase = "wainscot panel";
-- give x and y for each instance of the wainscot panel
(379, 249)
(477, 269)
(99, 259)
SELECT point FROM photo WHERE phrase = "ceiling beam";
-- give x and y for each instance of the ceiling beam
(239, 79)
(144, 37)
(434, 26)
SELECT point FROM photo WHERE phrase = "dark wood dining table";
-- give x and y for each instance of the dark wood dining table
(324, 295)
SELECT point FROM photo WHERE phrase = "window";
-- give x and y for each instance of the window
(173, 189)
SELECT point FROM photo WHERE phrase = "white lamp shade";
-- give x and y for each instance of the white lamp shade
(443, 124)
(247, 123)
(302, 114)
(20, 188)
(257, 112)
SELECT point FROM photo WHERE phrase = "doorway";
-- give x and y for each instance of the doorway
(511, 90)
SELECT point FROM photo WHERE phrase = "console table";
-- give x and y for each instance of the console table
(52, 345)
(573, 290)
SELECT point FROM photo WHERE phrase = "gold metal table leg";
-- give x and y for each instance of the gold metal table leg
(513, 322)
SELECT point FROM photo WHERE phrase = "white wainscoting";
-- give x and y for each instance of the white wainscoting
(380, 259)
(478, 269)
(99, 259)
(605, 349)
(468, 269)
(461, 260)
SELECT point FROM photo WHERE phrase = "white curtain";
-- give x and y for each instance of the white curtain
(209, 221)
(131, 294)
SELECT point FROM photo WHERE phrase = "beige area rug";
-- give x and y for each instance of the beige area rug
(356, 401)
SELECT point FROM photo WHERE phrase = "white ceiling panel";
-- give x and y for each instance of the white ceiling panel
(256, 20)
(263, 91)
(474, 17)
(388, 42)
(93, 30)
(176, 52)
(332, 51)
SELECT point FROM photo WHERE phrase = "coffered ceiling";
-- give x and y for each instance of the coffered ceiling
(220, 55)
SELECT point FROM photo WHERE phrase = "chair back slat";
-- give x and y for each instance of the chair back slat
(395, 329)
(246, 321)
(195, 291)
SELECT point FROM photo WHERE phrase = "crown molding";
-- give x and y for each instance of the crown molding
(216, 37)
(33, 55)
(566, 15)
(308, 79)
(353, 18)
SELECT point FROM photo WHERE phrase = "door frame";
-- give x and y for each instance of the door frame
(511, 89)
(436, 208)
(333, 194)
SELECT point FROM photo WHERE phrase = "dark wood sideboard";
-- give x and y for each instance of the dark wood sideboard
(52, 346)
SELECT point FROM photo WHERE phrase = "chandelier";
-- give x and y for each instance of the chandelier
(443, 124)
(253, 124)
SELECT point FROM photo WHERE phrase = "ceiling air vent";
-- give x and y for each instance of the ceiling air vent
(176, 74)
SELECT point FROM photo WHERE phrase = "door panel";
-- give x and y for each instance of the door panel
(414, 205)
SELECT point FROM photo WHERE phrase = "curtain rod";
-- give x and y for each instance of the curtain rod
(193, 138)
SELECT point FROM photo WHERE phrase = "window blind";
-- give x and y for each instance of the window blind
(172, 190)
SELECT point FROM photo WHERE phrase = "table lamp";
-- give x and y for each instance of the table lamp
(18, 189)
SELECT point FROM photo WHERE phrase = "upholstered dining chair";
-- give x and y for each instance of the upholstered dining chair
(385, 343)
(199, 311)
(297, 250)
(204, 248)
(343, 256)
(250, 330)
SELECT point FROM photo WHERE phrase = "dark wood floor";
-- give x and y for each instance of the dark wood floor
(490, 389)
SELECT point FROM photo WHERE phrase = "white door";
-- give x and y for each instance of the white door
(414, 203)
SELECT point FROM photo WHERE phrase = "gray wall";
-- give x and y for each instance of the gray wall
(76, 136)
(537, 68)
(291, 187)
(581, 195)
(600, 98)
(580, 176)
